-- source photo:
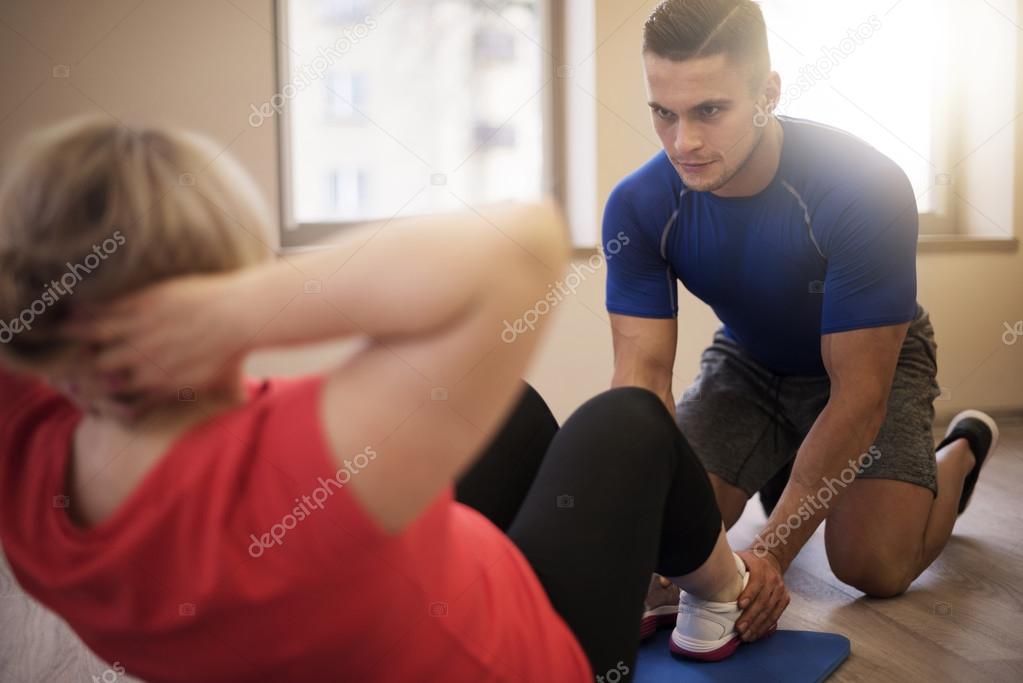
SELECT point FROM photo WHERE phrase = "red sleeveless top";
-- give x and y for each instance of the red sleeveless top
(241, 556)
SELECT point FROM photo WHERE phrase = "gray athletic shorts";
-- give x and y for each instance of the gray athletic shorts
(746, 423)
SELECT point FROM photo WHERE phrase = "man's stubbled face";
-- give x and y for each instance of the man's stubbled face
(706, 117)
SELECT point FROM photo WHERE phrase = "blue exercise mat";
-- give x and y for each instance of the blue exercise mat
(787, 656)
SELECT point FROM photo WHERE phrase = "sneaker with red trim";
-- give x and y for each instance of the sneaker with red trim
(660, 608)
(705, 630)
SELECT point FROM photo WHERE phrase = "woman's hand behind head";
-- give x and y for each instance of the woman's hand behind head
(91, 209)
(170, 342)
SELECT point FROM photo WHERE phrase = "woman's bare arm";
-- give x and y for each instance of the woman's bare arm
(436, 377)
(431, 297)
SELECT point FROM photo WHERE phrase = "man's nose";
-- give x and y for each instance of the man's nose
(687, 141)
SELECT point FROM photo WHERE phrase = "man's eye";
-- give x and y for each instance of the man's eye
(708, 112)
(664, 114)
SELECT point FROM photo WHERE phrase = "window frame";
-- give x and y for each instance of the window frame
(298, 235)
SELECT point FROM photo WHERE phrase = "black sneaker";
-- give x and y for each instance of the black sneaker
(981, 432)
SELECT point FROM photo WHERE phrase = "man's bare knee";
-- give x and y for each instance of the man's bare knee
(877, 575)
(731, 500)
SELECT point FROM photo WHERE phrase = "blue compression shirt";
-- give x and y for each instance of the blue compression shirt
(828, 246)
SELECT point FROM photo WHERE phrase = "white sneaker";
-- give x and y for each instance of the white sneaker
(705, 629)
(660, 609)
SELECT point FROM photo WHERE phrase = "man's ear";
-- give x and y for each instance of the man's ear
(771, 93)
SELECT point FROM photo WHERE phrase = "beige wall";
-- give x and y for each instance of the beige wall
(202, 64)
(189, 63)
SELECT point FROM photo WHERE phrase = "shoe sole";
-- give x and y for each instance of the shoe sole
(656, 619)
(710, 652)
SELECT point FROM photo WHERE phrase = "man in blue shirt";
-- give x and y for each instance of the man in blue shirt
(802, 239)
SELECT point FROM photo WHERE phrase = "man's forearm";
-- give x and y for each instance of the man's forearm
(838, 445)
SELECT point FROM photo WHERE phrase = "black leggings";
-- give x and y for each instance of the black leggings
(596, 507)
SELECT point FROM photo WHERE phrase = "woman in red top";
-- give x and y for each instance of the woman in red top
(193, 525)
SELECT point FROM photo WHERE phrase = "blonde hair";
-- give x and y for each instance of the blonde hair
(91, 210)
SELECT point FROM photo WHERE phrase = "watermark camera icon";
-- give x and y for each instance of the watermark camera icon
(943, 179)
(186, 609)
(438, 394)
(438, 179)
(565, 501)
(61, 501)
(817, 287)
(438, 609)
(564, 71)
(942, 609)
(312, 286)
(186, 394)
(61, 71)
(187, 179)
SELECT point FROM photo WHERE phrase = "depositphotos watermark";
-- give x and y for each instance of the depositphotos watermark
(111, 675)
(615, 675)
(309, 503)
(820, 70)
(813, 503)
(312, 71)
(75, 274)
(561, 289)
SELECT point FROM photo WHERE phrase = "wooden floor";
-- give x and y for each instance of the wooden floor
(961, 621)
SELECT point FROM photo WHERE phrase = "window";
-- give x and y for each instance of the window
(407, 107)
(872, 74)
(343, 11)
(346, 192)
(902, 75)
(494, 45)
(346, 96)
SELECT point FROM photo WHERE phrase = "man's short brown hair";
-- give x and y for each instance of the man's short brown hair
(680, 30)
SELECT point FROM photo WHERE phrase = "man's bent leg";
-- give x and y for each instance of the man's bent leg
(731, 499)
(884, 533)
(731, 416)
(874, 535)
(893, 520)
